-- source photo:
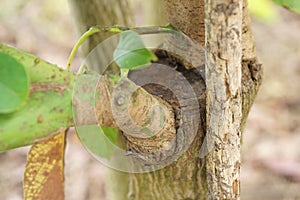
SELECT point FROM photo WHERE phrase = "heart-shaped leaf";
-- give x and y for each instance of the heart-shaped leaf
(14, 84)
(131, 52)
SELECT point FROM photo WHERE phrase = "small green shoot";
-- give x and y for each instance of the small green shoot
(131, 52)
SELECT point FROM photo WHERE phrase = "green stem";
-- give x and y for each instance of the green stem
(87, 34)
(116, 29)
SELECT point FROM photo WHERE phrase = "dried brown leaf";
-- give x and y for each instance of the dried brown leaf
(44, 172)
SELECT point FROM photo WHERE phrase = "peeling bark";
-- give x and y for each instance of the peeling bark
(223, 102)
(233, 79)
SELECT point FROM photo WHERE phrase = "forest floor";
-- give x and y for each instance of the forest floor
(271, 142)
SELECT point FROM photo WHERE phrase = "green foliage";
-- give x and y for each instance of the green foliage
(47, 109)
(131, 52)
(171, 27)
(39, 70)
(44, 114)
(263, 10)
(114, 79)
(98, 140)
(14, 84)
(49, 106)
(111, 133)
(293, 5)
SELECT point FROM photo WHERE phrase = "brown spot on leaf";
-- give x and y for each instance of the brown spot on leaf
(53, 76)
(37, 61)
(57, 90)
(67, 80)
(40, 119)
(61, 110)
(71, 120)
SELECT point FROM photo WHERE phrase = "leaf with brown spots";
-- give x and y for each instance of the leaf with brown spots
(48, 107)
(44, 173)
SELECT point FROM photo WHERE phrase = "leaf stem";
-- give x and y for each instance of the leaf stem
(87, 34)
(116, 29)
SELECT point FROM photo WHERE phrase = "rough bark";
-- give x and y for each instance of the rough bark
(233, 78)
(111, 113)
(185, 178)
(188, 17)
(223, 102)
(235, 87)
(252, 70)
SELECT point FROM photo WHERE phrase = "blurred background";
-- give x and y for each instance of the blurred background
(271, 143)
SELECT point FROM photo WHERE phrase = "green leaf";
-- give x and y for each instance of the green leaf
(99, 140)
(111, 133)
(48, 108)
(131, 52)
(44, 114)
(171, 27)
(14, 84)
(293, 5)
(37, 69)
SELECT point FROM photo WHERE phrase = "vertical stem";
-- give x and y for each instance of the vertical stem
(223, 31)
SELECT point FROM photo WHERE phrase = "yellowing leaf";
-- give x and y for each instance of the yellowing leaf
(44, 173)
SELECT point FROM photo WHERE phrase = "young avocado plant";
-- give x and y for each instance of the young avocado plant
(36, 106)
(31, 114)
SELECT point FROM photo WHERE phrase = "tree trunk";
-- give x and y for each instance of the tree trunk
(223, 101)
(233, 77)
(193, 176)
(155, 13)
